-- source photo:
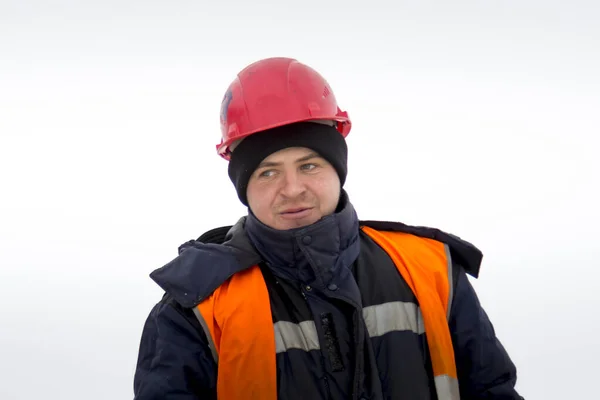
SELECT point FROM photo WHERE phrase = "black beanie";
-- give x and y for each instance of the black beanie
(324, 139)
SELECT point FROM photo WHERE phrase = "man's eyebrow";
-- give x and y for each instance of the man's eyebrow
(308, 157)
(267, 164)
(299, 160)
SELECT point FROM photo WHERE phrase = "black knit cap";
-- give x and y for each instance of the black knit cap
(323, 139)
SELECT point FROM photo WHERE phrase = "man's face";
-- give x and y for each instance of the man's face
(292, 188)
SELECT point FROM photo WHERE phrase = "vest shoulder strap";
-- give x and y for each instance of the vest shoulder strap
(239, 325)
(426, 265)
(464, 253)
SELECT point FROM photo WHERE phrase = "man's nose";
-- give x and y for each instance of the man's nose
(293, 185)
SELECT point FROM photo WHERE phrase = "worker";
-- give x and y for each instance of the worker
(300, 299)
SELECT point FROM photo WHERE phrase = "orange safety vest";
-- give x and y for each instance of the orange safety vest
(238, 320)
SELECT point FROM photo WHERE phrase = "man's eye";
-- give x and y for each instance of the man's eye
(308, 167)
(267, 173)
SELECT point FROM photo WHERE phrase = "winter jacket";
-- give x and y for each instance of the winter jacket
(324, 275)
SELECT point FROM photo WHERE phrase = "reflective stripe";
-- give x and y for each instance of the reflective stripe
(450, 281)
(446, 388)
(301, 336)
(393, 316)
(211, 343)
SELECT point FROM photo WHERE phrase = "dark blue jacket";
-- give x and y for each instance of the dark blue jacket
(327, 273)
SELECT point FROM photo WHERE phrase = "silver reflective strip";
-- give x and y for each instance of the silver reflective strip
(446, 388)
(393, 316)
(450, 281)
(301, 336)
(211, 343)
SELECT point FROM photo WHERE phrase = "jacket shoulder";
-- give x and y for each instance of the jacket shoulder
(204, 264)
(463, 253)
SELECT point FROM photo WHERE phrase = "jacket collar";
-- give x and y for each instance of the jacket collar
(202, 267)
(314, 254)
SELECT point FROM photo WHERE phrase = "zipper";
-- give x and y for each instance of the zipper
(304, 289)
(325, 380)
(359, 339)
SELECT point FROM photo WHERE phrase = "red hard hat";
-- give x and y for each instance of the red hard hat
(275, 92)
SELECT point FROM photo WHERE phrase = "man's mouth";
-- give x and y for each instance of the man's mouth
(294, 210)
(296, 213)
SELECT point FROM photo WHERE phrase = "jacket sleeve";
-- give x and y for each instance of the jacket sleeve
(174, 361)
(485, 370)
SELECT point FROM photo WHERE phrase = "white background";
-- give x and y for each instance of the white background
(477, 117)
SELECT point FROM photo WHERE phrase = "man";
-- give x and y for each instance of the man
(301, 300)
